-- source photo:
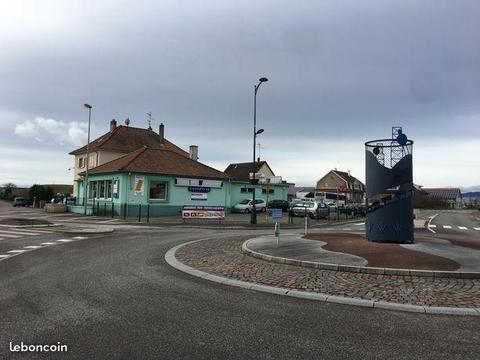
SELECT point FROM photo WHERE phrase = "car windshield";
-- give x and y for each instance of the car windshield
(244, 202)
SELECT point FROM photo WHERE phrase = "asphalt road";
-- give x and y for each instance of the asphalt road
(115, 297)
(464, 222)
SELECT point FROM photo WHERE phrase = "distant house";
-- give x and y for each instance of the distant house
(452, 196)
(271, 186)
(304, 192)
(243, 171)
(342, 185)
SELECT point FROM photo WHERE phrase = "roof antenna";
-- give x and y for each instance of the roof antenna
(150, 118)
(127, 121)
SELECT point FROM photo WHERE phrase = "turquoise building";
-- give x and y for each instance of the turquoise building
(160, 180)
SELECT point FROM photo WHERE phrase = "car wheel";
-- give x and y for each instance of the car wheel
(264, 209)
(247, 211)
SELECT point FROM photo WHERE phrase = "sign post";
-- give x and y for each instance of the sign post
(277, 233)
(277, 215)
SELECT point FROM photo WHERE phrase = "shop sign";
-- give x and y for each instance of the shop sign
(203, 212)
(199, 189)
(199, 196)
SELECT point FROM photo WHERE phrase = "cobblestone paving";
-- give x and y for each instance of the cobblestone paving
(224, 258)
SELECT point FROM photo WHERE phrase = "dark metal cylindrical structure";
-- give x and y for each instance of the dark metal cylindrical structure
(389, 186)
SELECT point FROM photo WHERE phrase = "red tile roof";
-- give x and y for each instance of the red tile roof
(444, 193)
(158, 161)
(241, 171)
(127, 139)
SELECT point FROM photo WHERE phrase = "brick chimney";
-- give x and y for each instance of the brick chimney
(161, 132)
(193, 152)
(113, 125)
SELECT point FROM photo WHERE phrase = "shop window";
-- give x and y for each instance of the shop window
(158, 190)
(108, 189)
(92, 193)
(246, 190)
(270, 191)
(101, 189)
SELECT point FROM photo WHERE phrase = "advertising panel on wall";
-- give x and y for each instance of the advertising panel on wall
(203, 212)
(139, 185)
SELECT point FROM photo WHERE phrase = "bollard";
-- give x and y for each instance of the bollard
(125, 211)
(306, 225)
(105, 209)
(139, 212)
(113, 210)
(148, 213)
(277, 233)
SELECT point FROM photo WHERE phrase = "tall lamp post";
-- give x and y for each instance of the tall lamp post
(253, 218)
(85, 183)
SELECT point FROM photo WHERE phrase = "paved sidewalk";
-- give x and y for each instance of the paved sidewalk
(225, 259)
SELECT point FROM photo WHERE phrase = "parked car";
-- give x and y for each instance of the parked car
(294, 202)
(313, 209)
(278, 204)
(19, 201)
(245, 206)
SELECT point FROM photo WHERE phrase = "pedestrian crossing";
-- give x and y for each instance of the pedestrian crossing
(14, 252)
(9, 233)
(452, 227)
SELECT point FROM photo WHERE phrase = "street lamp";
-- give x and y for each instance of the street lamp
(85, 183)
(253, 217)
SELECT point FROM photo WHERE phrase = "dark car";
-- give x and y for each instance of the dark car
(19, 201)
(278, 204)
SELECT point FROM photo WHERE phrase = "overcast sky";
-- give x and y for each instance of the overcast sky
(340, 73)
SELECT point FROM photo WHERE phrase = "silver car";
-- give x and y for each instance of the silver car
(313, 209)
(245, 206)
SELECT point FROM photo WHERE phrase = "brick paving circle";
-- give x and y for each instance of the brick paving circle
(223, 257)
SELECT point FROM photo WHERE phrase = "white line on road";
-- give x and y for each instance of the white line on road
(447, 227)
(4, 256)
(10, 236)
(79, 238)
(16, 251)
(48, 243)
(432, 226)
(17, 232)
(429, 223)
(463, 228)
(32, 247)
(360, 224)
(64, 240)
(476, 228)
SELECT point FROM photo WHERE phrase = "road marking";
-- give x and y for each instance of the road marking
(429, 223)
(360, 224)
(476, 228)
(447, 227)
(463, 228)
(32, 247)
(48, 243)
(16, 232)
(64, 240)
(4, 256)
(10, 236)
(16, 251)
(432, 226)
(79, 238)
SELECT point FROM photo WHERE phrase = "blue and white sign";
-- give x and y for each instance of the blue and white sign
(276, 214)
(199, 189)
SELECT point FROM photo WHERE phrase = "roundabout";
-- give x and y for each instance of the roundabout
(229, 261)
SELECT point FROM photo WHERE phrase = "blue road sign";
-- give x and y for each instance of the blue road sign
(276, 214)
